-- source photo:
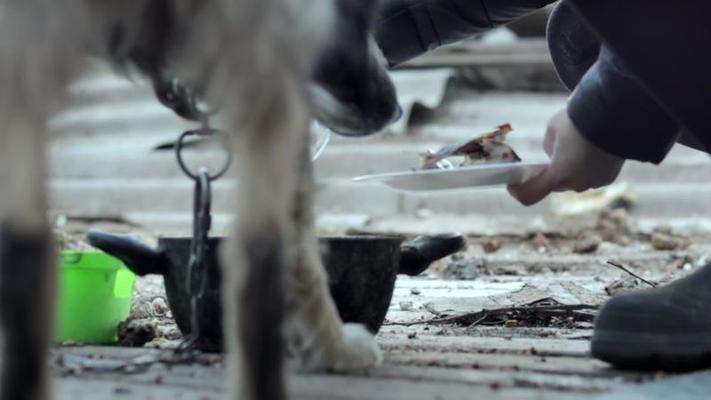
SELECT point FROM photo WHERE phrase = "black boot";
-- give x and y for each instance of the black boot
(665, 328)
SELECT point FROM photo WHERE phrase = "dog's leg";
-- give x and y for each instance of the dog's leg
(258, 258)
(263, 52)
(27, 270)
(315, 329)
(262, 81)
(35, 63)
(27, 279)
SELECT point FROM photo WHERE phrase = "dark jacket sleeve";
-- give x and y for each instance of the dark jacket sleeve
(408, 28)
(666, 46)
(614, 112)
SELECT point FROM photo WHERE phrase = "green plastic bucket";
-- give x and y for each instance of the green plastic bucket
(95, 292)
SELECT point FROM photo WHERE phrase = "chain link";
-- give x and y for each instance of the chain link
(196, 274)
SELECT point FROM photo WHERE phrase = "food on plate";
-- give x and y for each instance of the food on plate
(484, 149)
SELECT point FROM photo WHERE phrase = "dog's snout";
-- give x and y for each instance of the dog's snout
(383, 119)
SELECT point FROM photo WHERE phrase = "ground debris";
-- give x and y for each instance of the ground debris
(491, 245)
(681, 262)
(150, 323)
(136, 333)
(407, 306)
(149, 307)
(615, 225)
(540, 243)
(626, 284)
(461, 268)
(76, 365)
(542, 313)
(67, 241)
(588, 242)
(507, 270)
(621, 267)
(430, 307)
(512, 323)
(669, 241)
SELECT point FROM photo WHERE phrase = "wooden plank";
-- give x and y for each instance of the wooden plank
(496, 378)
(459, 344)
(520, 46)
(334, 387)
(513, 362)
(530, 52)
(387, 383)
(310, 387)
(108, 352)
(486, 331)
(84, 389)
(445, 60)
(486, 284)
(397, 356)
(499, 376)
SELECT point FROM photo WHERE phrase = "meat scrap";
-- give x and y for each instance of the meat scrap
(486, 148)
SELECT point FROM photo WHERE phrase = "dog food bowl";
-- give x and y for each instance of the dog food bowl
(361, 269)
(95, 292)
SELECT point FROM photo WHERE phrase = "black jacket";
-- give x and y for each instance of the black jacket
(638, 68)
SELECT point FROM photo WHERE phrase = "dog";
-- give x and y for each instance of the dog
(270, 66)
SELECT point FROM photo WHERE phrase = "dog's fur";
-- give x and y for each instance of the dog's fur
(252, 58)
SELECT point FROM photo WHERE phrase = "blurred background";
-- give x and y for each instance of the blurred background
(107, 163)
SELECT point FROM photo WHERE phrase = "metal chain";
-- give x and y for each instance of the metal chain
(205, 130)
(196, 274)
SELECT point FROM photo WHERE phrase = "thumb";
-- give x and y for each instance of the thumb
(535, 189)
(549, 142)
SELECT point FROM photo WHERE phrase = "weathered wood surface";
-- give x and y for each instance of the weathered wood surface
(421, 361)
(424, 360)
(528, 52)
(507, 370)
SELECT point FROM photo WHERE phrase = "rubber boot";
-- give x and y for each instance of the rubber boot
(667, 328)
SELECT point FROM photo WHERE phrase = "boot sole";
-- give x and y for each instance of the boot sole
(647, 351)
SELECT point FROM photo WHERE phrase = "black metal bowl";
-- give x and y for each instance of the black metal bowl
(361, 270)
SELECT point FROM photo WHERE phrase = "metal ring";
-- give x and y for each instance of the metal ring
(201, 132)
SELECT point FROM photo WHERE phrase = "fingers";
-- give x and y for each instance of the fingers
(535, 189)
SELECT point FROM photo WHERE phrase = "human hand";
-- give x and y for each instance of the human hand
(576, 164)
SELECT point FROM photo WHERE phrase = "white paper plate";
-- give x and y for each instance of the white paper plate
(485, 175)
(320, 136)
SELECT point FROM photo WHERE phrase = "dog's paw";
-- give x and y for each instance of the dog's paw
(355, 350)
(359, 350)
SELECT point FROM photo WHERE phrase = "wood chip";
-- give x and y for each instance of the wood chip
(406, 306)
(665, 229)
(587, 243)
(136, 333)
(664, 241)
(511, 323)
(491, 245)
(623, 285)
(541, 243)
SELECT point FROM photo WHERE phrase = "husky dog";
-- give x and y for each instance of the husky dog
(252, 58)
